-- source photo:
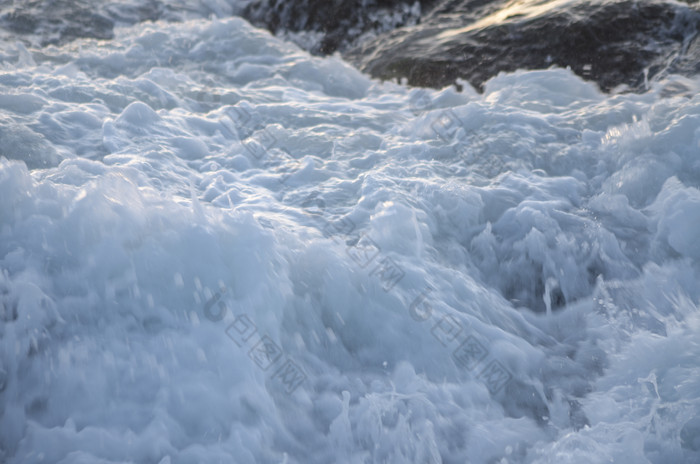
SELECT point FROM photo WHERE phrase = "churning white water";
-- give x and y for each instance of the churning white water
(215, 247)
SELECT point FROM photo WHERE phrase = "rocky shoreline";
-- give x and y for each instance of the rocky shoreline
(623, 43)
(620, 45)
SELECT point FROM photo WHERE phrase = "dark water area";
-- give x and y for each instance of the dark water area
(41, 23)
(618, 44)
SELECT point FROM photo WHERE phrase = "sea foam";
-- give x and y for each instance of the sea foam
(215, 247)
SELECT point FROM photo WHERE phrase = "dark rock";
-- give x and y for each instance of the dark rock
(340, 22)
(609, 43)
(687, 62)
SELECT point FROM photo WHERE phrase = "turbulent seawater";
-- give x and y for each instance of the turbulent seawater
(215, 247)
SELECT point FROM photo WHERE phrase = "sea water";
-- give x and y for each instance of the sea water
(215, 247)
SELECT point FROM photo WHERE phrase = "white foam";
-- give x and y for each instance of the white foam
(438, 276)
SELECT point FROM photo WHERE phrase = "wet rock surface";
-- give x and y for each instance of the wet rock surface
(614, 43)
(338, 23)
